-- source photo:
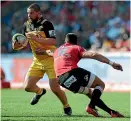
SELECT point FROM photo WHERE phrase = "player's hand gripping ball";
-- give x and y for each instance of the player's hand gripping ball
(20, 41)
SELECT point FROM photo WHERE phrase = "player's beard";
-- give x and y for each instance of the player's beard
(34, 20)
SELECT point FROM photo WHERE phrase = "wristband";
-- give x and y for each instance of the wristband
(111, 63)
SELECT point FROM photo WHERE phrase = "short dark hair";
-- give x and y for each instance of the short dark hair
(72, 38)
(35, 7)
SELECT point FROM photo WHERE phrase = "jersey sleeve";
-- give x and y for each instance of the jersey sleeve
(49, 29)
(81, 51)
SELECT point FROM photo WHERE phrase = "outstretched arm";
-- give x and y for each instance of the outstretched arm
(101, 58)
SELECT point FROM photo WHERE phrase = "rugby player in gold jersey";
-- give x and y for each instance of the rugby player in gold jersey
(41, 36)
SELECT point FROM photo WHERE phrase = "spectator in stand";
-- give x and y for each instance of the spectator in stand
(110, 19)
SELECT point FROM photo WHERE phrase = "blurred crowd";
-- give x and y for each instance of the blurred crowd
(100, 25)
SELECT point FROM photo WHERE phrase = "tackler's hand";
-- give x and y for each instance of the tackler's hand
(117, 66)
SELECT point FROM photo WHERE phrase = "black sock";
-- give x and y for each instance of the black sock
(95, 97)
(103, 106)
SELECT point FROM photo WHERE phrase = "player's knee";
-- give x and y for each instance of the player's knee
(100, 86)
(55, 90)
(27, 89)
(54, 86)
(103, 85)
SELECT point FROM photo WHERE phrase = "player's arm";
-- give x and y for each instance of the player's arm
(101, 58)
(44, 41)
(47, 41)
(50, 39)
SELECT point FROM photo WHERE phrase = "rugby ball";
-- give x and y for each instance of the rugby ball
(20, 38)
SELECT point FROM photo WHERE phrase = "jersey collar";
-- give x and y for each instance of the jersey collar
(67, 43)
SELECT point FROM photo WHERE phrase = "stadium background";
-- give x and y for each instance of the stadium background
(101, 26)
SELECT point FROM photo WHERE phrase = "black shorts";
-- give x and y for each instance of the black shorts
(74, 79)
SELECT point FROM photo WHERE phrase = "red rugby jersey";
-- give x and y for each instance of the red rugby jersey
(66, 58)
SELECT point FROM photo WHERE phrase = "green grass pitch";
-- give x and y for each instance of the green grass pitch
(16, 107)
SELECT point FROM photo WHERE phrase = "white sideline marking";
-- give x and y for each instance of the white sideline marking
(113, 87)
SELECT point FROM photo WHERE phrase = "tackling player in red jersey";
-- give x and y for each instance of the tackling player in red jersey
(79, 80)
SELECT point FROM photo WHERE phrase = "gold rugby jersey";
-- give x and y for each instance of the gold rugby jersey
(41, 28)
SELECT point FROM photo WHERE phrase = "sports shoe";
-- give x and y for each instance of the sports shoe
(92, 111)
(68, 111)
(116, 114)
(36, 98)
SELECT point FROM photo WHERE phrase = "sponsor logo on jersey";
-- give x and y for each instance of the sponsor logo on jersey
(86, 77)
(52, 33)
(32, 27)
(70, 81)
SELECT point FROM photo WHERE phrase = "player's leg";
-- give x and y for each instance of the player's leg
(98, 86)
(30, 84)
(98, 102)
(55, 87)
(33, 76)
(87, 91)
(103, 106)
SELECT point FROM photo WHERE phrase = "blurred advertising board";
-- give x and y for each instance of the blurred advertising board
(15, 68)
